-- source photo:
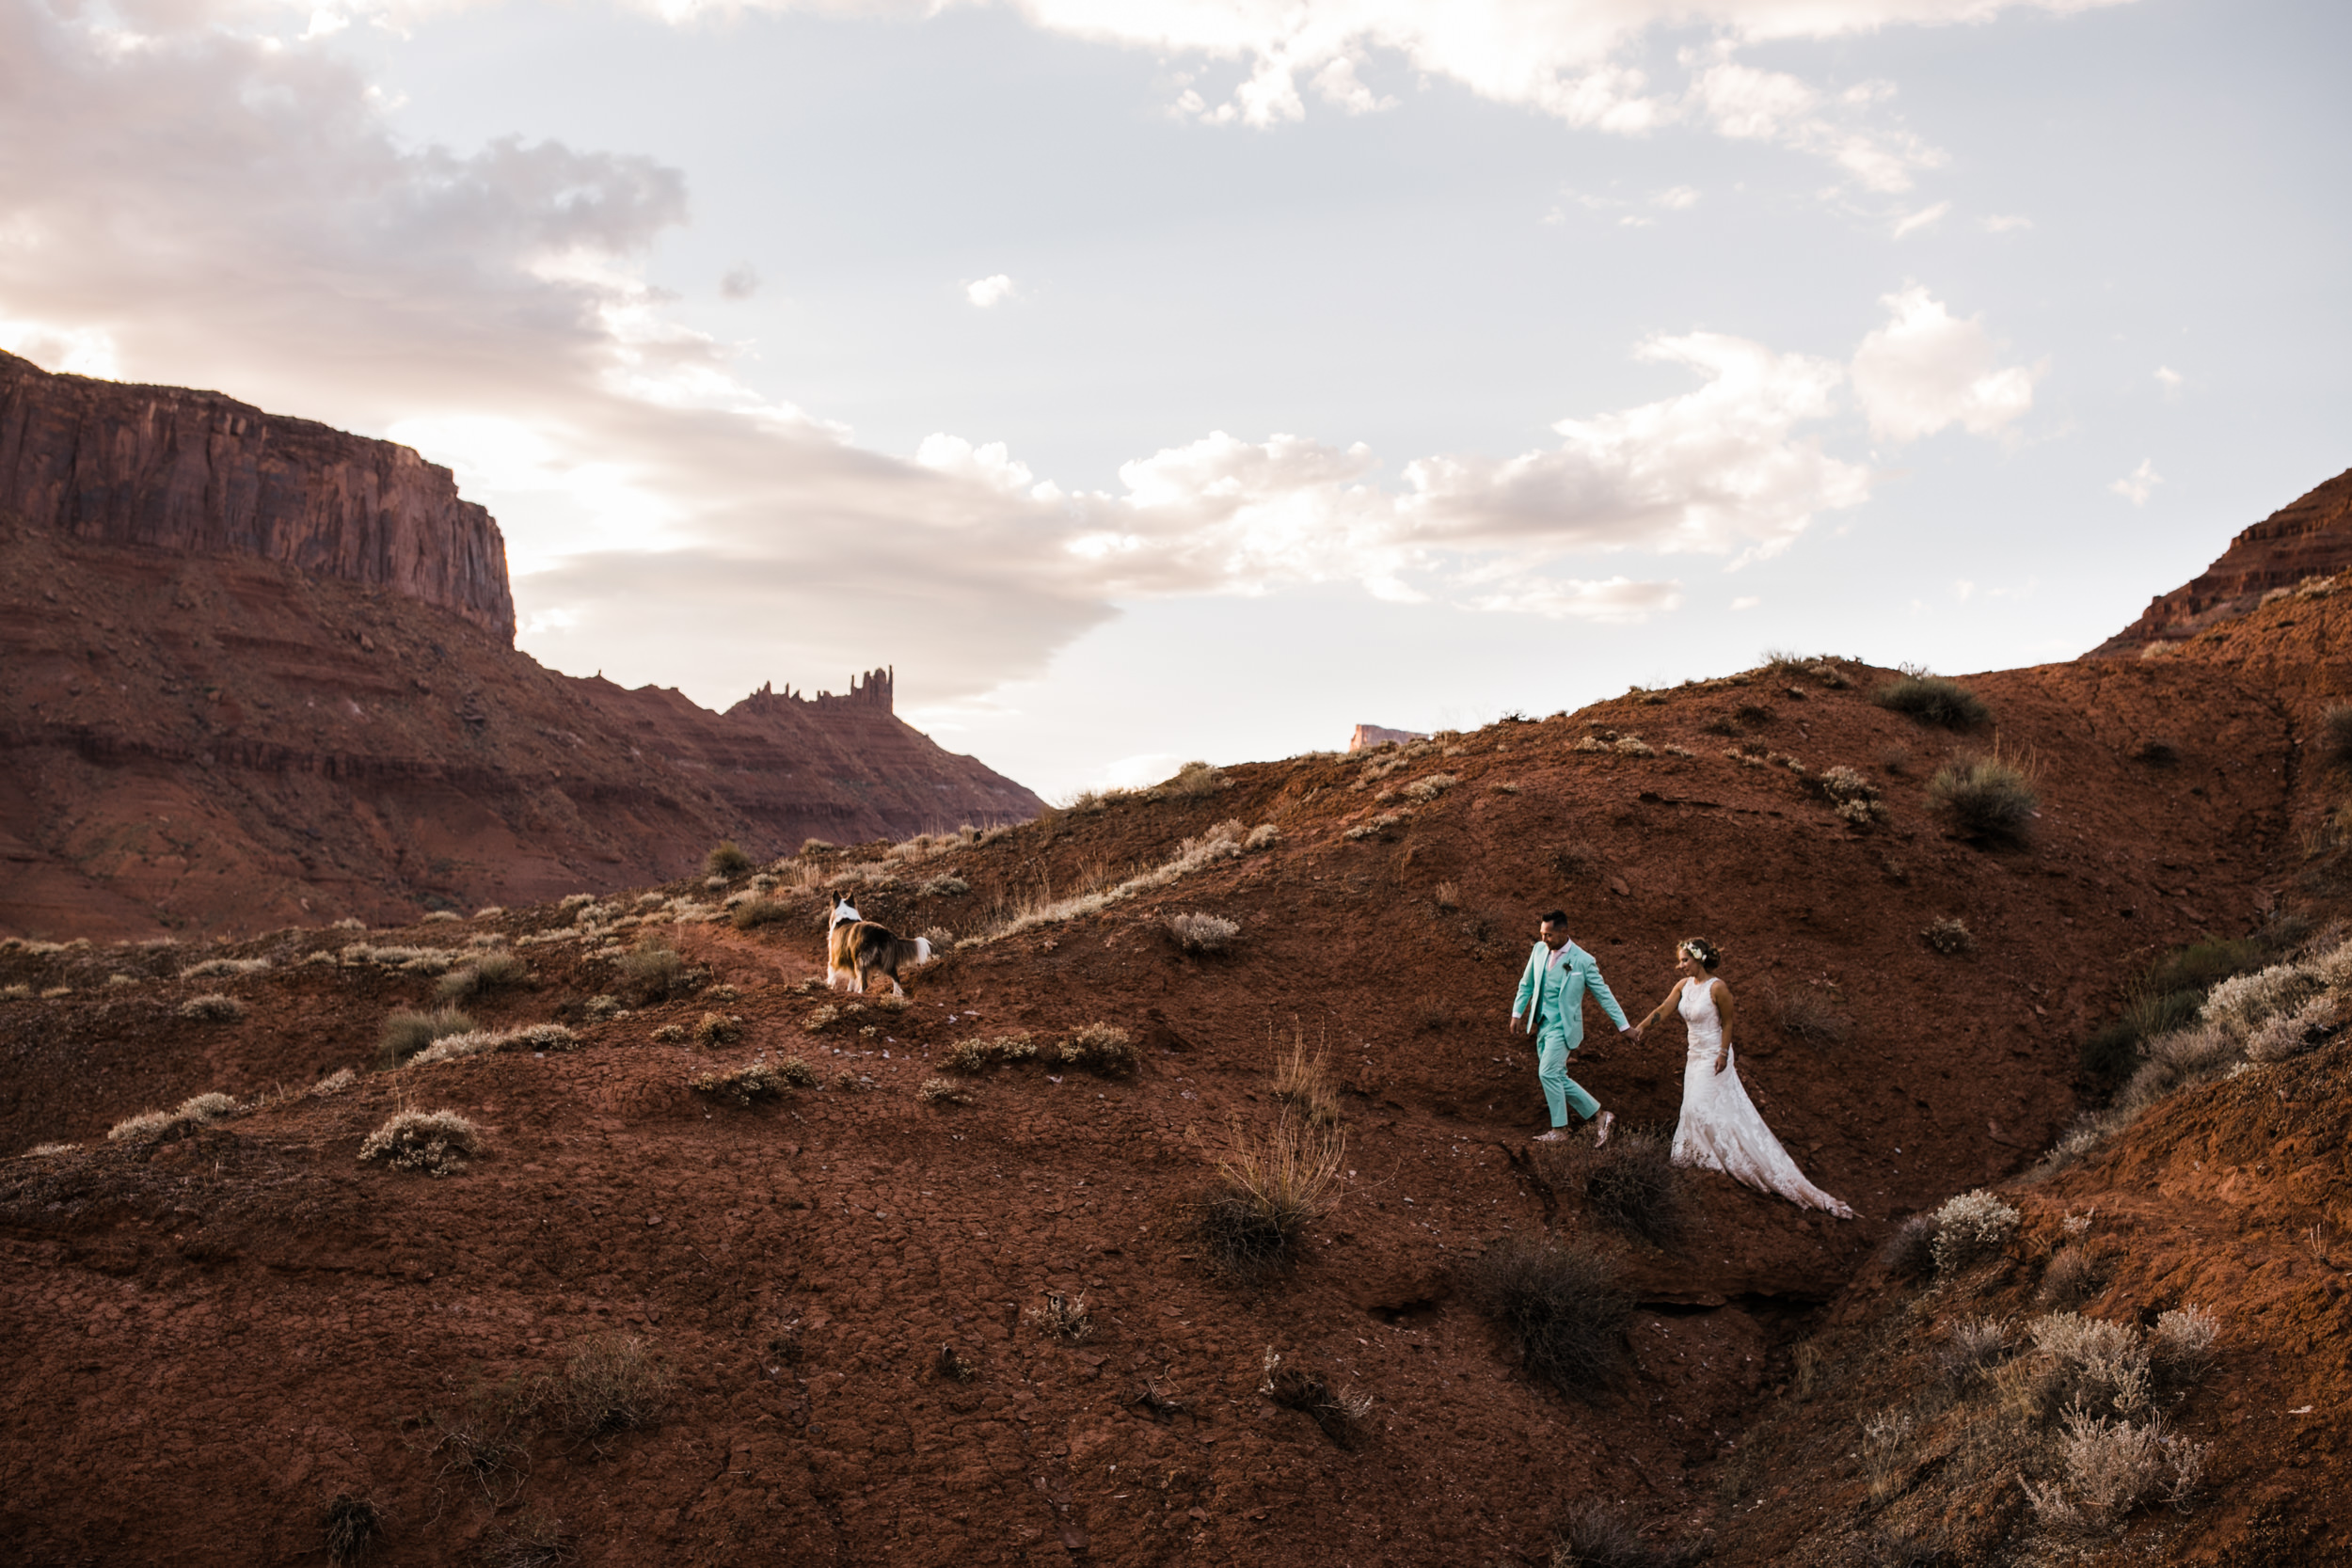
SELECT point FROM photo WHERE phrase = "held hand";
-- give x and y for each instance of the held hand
(1631, 1034)
(1723, 1060)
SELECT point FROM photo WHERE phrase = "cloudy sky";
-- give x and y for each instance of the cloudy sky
(1171, 378)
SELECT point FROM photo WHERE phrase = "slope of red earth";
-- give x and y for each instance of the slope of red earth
(216, 743)
(216, 1338)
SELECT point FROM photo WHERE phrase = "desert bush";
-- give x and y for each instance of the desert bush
(51, 1151)
(2110, 1467)
(490, 911)
(1950, 936)
(353, 1527)
(942, 1091)
(406, 1031)
(1630, 1184)
(726, 859)
(718, 1029)
(1561, 1303)
(1202, 933)
(943, 887)
(652, 971)
(1806, 1014)
(197, 1110)
(1103, 1049)
(438, 1143)
(532, 1539)
(2333, 740)
(1064, 1317)
(214, 969)
(1194, 780)
(1933, 700)
(212, 1009)
(611, 1383)
(757, 911)
(2069, 1278)
(1886, 1450)
(490, 972)
(1340, 1412)
(1302, 1080)
(983, 1052)
(1268, 1187)
(2182, 1348)
(1975, 1346)
(758, 1080)
(1597, 1536)
(1972, 1225)
(669, 1034)
(1429, 788)
(2245, 1000)
(2285, 1036)
(1375, 826)
(1910, 1249)
(2112, 1051)
(1988, 798)
(334, 1083)
(476, 1042)
(1265, 835)
(2091, 1364)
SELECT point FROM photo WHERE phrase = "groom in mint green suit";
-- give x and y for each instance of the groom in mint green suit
(1551, 999)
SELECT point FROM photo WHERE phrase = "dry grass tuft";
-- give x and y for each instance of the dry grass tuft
(476, 1042)
(1807, 1014)
(438, 1143)
(2069, 1278)
(611, 1383)
(1447, 896)
(1302, 1080)
(1195, 779)
(354, 1526)
(212, 1009)
(490, 972)
(1597, 1536)
(942, 1091)
(718, 1029)
(406, 1033)
(1064, 1317)
(1969, 1228)
(1950, 935)
(1270, 1186)
(1202, 933)
(1887, 1451)
(1562, 1302)
(652, 971)
(982, 1053)
(532, 1539)
(1339, 1411)
(726, 859)
(1988, 798)
(1933, 700)
(759, 1080)
(216, 969)
(1103, 1049)
(196, 1111)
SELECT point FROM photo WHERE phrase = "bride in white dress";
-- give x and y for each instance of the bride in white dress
(1721, 1128)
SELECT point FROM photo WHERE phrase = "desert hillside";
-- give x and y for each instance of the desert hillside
(718, 1259)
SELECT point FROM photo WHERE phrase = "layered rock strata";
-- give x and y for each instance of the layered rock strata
(2311, 537)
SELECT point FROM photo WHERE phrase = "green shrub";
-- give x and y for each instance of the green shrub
(1561, 1303)
(726, 859)
(406, 1031)
(651, 971)
(1987, 797)
(1933, 700)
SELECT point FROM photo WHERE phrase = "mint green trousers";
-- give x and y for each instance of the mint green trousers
(1551, 1068)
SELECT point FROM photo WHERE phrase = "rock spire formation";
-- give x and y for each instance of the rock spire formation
(262, 672)
(2309, 537)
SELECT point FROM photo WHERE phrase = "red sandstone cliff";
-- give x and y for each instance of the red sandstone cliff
(260, 672)
(191, 472)
(2311, 537)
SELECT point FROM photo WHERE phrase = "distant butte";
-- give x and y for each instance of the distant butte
(2311, 537)
(262, 671)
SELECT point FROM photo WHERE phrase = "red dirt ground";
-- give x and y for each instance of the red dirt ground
(213, 1342)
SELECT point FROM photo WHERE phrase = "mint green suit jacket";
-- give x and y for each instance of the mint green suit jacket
(1556, 991)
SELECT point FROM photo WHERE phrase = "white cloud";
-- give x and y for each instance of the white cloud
(2170, 379)
(1924, 370)
(2005, 223)
(1926, 217)
(1617, 601)
(989, 293)
(73, 350)
(1746, 601)
(1676, 198)
(2140, 484)
(1963, 589)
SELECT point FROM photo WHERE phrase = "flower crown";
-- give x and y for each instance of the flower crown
(1708, 953)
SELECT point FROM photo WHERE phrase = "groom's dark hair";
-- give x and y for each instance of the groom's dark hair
(1557, 917)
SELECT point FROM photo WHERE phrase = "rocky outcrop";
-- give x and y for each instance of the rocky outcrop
(192, 472)
(1369, 735)
(2308, 538)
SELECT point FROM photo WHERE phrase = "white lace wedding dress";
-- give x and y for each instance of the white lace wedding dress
(1721, 1128)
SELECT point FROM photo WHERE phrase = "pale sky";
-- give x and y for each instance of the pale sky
(1184, 378)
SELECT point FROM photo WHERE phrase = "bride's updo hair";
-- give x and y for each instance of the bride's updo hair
(1708, 953)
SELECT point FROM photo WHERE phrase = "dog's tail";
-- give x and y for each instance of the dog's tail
(922, 950)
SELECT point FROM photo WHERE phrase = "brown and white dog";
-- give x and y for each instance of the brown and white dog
(857, 949)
